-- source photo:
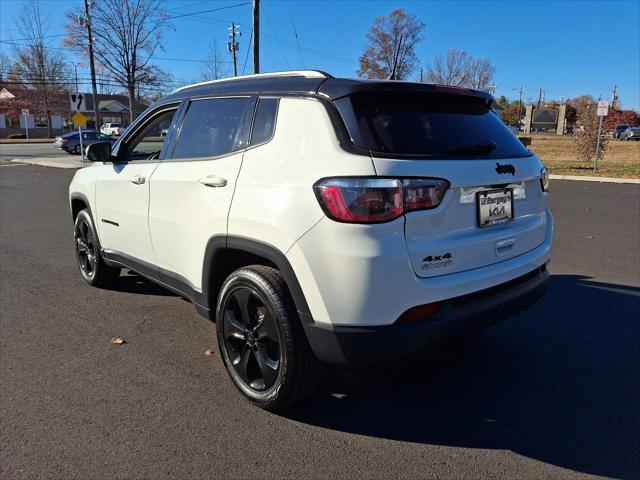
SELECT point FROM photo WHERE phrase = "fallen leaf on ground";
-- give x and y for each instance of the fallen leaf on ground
(118, 341)
(208, 353)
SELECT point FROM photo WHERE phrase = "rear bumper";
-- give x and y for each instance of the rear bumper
(357, 345)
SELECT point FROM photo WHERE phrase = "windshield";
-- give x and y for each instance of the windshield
(432, 125)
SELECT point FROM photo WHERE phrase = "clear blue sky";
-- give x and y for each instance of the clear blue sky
(566, 48)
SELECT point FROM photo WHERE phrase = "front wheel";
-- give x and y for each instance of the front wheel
(261, 340)
(92, 267)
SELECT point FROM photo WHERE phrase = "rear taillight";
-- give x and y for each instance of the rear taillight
(65, 140)
(375, 200)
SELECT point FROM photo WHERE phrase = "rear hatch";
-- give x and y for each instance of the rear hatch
(494, 209)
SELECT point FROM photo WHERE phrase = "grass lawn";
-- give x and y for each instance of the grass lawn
(621, 160)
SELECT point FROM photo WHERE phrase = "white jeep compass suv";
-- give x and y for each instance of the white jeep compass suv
(318, 219)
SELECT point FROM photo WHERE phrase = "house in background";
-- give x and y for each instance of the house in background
(111, 109)
(13, 121)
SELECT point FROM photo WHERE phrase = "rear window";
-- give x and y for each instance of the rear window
(430, 125)
(265, 121)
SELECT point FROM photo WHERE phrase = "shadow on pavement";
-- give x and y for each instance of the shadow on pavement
(559, 383)
(131, 282)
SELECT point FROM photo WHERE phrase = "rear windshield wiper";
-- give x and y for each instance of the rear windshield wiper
(474, 149)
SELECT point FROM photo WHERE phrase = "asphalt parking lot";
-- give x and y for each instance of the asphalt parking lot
(552, 393)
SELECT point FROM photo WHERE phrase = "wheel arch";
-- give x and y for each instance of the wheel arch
(224, 254)
(79, 202)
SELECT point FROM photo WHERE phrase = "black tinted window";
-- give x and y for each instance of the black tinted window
(265, 121)
(213, 127)
(428, 124)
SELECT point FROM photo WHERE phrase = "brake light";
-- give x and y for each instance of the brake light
(421, 312)
(376, 200)
(65, 140)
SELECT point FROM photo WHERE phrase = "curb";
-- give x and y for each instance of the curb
(50, 162)
(579, 178)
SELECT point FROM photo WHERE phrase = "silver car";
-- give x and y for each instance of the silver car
(630, 134)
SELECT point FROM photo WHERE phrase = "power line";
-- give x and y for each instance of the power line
(43, 36)
(295, 32)
(264, 10)
(247, 55)
(203, 11)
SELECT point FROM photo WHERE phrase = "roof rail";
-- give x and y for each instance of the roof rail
(288, 73)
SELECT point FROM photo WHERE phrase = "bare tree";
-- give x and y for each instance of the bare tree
(480, 75)
(5, 66)
(126, 35)
(42, 70)
(459, 69)
(450, 70)
(214, 65)
(397, 33)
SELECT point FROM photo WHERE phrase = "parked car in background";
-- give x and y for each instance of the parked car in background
(114, 129)
(630, 134)
(70, 142)
(619, 129)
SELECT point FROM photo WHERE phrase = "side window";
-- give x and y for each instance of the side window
(213, 127)
(265, 121)
(147, 143)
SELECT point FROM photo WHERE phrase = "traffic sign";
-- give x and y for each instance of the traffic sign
(603, 108)
(77, 102)
(79, 119)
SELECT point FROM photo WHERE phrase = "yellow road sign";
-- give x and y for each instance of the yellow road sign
(79, 119)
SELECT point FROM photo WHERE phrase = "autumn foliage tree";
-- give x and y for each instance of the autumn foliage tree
(586, 136)
(617, 117)
(39, 69)
(397, 33)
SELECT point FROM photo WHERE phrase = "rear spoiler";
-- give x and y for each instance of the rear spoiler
(335, 88)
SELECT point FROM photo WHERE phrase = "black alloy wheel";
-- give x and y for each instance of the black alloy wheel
(261, 339)
(251, 338)
(93, 268)
(85, 248)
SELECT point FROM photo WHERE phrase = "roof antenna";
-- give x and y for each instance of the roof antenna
(394, 75)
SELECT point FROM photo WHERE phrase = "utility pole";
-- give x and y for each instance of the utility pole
(75, 68)
(421, 81)
(92, 64)
(539, 99)
(613, 97)
(232, 47)
(520, 108)
(256, 36)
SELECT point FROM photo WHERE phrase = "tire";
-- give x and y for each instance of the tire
(76, 150)
(92, 267)
(270, 376)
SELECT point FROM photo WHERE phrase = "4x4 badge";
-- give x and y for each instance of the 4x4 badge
(507, 168)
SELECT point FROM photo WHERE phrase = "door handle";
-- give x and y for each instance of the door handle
(213, 181)
(138, 179)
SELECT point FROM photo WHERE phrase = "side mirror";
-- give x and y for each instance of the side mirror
(99, 152)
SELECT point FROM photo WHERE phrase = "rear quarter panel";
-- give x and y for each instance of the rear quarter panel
(274, 200)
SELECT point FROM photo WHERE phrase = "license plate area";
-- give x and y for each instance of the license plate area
(495, 207)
